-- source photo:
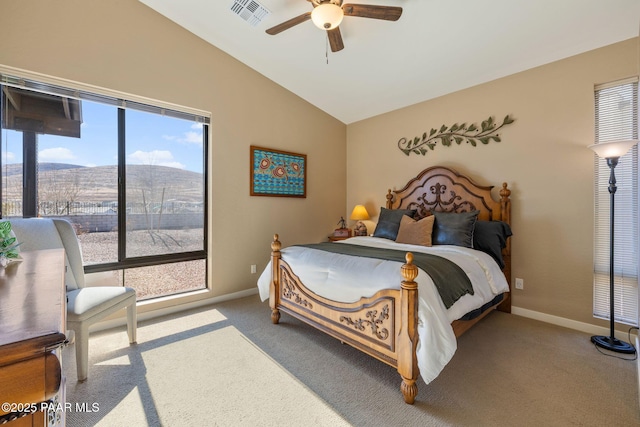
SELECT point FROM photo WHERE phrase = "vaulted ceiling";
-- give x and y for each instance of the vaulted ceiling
(436, 47)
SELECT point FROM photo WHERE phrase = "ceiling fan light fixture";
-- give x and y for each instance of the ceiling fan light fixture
(327, 16)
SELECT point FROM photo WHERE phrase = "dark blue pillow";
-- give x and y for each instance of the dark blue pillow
(389, 222)
(453, 228)
(491, 237)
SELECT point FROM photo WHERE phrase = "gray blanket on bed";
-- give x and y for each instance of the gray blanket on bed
(450, 280)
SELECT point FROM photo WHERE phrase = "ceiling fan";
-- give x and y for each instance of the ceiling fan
(327, 15)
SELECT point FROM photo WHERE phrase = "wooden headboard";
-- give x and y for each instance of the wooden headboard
(444, 190)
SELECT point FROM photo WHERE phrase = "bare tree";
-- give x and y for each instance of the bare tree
(12, 190)
(148, 186)
(58, 190)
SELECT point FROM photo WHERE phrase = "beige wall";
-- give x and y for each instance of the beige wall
(542, 156)
(123, 45)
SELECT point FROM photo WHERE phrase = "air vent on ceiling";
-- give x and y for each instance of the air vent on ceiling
(249, 10)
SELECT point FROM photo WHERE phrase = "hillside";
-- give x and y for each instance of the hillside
(97, 184)
(16, 168)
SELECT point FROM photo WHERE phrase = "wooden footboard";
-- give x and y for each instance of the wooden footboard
(385, 325)
(373, 325)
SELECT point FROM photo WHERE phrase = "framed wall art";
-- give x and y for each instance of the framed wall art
(278, 173)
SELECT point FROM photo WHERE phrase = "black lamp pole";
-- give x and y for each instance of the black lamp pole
(611, 342)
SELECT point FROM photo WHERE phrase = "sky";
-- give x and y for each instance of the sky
(150, 139)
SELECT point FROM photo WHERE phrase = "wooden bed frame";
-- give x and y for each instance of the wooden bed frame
(385, 325)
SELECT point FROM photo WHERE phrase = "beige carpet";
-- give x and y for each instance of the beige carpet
(197, 370)
(227, 365)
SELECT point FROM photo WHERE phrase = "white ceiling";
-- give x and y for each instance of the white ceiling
(436, 47)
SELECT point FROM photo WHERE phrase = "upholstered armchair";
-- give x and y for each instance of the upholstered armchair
(86, 304)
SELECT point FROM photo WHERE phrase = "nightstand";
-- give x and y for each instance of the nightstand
(336, 238)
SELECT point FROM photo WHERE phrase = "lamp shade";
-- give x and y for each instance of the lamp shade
(359, 213)
(607, 150)
(327, 16)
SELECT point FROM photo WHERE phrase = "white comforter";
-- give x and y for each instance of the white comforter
(349, 278)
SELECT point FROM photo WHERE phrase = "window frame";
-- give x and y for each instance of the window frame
(610, 126)
(58, 87)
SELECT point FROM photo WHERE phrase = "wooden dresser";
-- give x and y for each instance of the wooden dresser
(32, 326)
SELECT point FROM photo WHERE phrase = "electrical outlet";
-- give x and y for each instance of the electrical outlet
(519, 283)
(253, 269)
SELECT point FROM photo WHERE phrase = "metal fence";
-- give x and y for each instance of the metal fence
(14, 208)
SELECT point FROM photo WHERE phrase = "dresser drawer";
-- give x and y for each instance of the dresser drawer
(29, 382)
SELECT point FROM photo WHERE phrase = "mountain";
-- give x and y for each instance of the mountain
(59, 181)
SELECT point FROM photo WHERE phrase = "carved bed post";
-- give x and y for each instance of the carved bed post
(505, 215)
(389, 199)
(505, 210)
(408, 335)
(274, 289)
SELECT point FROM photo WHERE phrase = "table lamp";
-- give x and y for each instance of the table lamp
(360, 214)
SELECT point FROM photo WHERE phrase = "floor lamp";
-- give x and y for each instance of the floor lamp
(612, 151)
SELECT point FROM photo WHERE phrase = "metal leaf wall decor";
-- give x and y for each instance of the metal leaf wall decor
(458, 133)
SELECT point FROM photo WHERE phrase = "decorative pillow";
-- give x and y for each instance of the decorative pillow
(454, 228)
(389, 222)
(416, 232)
(491, 237)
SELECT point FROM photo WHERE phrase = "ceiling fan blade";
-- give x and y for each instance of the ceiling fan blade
(288, 24)
(335, 39)
(388, 13)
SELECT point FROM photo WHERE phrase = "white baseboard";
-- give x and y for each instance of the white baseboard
(152, 314)
(518, 311)
(567, 323)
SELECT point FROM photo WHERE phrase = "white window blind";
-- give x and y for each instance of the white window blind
(616, 106)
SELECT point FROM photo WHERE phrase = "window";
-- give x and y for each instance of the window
(616, 106)
(130, 176)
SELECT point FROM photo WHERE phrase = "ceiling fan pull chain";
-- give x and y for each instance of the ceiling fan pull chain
(326, 49)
